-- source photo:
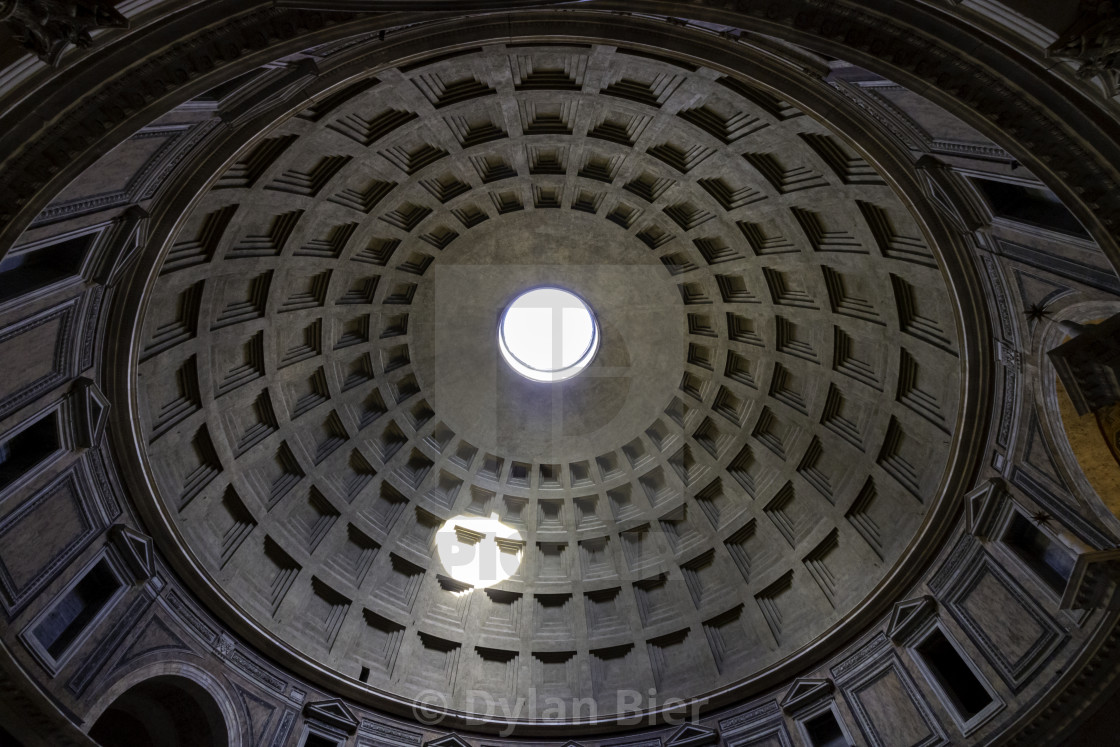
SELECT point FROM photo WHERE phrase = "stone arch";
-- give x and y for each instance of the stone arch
(1076, 443)
(169, 704)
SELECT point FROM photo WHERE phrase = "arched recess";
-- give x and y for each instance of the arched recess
(165, 705)
(1076, 442)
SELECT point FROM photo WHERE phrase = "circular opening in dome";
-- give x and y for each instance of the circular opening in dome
(479, 551)
(548, 334)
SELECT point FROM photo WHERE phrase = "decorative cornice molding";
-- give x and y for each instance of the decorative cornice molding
(982, 506)
(332, 712)
(692, 735)
(1093, 41)
(92, 411)
(181, 141)
(47, 27)
(451, 740)
(805, 692)
(266, 91)
(908, 616)
(136, 549)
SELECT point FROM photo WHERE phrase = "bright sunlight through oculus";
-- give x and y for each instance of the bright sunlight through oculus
(479, 551)
(548, 334)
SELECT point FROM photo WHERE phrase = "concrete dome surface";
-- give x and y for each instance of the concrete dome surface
(838, 469)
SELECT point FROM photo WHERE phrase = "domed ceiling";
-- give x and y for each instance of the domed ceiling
(755, 447)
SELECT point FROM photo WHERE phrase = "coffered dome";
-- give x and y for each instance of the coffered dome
(755, 448)
(832, 473)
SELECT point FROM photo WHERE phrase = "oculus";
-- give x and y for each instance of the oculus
(548, 334)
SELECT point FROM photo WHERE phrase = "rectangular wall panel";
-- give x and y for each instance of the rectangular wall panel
(42, 535)
(41, 346)
(1006, 624)
(762, 726)
(888, 706)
